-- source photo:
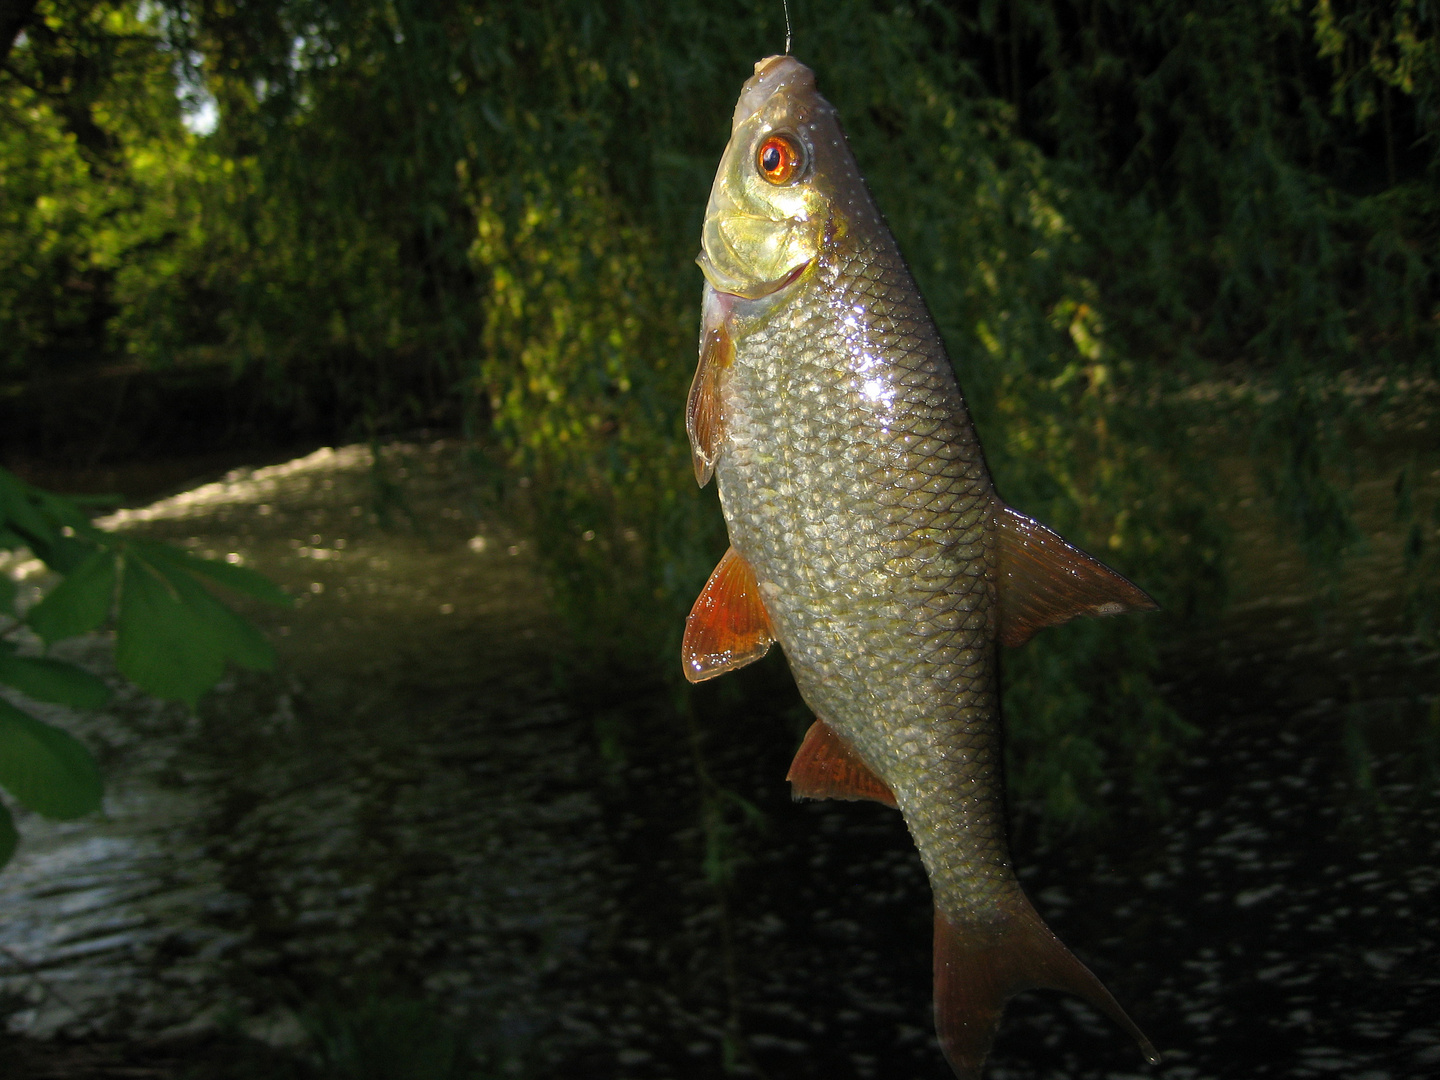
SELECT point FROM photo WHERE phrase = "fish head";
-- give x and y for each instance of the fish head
(784, 172)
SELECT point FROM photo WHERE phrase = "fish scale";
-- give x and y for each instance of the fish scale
(797, 376)
(867, 539)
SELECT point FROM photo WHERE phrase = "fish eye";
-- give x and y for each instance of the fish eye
(778, 159)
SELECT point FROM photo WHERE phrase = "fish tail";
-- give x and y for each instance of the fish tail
(978, 968)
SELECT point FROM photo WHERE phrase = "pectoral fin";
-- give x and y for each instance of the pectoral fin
(826, 768)
(727, 628)
(704, 418)
(979, 967)
(1044, 581)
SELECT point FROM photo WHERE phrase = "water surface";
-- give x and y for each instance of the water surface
(427, 804)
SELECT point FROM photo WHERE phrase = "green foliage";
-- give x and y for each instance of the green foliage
(80, 603)
(47, 769)
(51, 680)
(94, 155)
(179, 565)
(173, 638)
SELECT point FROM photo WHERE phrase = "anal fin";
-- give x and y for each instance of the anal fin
(978, 968)
(826, 768)
(728, 627)
(1044, 581)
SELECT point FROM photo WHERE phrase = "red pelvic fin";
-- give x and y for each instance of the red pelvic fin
(1044, 580)
(704, 417)
(727, 628)
(826, 768)
(980, 967)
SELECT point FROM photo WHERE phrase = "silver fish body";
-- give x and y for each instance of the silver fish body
(867, 537)
(854, 486)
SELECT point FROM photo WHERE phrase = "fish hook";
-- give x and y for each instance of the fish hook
(786, 4)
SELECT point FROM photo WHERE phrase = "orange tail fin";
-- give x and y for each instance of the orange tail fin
(978, 969)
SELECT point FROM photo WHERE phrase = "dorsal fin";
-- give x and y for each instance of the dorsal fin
(727, 628)
(704, 418)
(1044, 581)
(979, 967)
(826, 768)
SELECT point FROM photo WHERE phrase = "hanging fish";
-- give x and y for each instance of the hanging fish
(867, 538)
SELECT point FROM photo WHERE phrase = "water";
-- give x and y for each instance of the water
(426, 805)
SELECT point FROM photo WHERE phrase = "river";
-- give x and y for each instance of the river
(425, 847)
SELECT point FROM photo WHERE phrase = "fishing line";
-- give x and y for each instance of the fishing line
(786, 4)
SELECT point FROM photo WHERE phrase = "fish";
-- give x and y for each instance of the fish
(867, 538)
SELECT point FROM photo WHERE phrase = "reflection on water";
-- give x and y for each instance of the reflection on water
(426, 804)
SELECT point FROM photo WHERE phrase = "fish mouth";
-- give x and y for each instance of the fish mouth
(757, 291)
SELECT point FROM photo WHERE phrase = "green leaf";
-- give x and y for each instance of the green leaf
(70, 509)
(78, 604)
(67, 554)
(236, 578)
(47, 769)
(19, 512)
(41, 520)
(160, 645)
(174, 637)
(9, 838)
(54, 680)
(235, 638)
(8, 589)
